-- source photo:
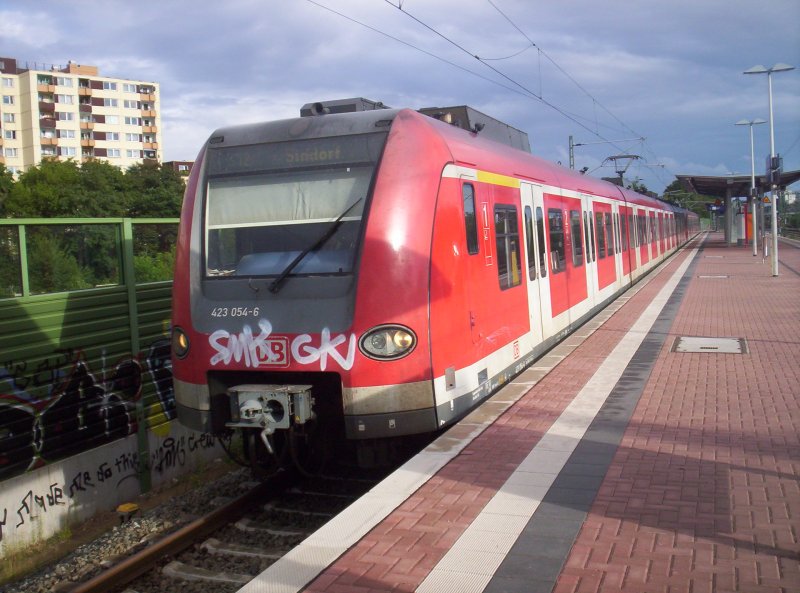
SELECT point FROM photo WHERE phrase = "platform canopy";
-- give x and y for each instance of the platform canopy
(739, 185)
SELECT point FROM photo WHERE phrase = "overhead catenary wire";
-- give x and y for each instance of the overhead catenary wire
(517, 88)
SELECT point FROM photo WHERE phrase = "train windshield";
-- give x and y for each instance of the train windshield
(288, 208)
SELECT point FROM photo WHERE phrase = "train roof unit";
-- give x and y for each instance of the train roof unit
(472, 120)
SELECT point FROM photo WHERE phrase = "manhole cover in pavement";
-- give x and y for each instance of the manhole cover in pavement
(718, 345)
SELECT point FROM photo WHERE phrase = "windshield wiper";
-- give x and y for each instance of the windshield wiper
(275, 285)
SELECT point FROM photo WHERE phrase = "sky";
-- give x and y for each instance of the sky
(605, 73)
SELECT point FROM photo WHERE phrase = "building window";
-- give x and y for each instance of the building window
(8, 118)
(509, 270)
(68, 151)
(133, 154)
(112, 153)
(10, 152)
(65, 116)
(66, 133)
(63, 81)
(110, 103)
(112, 120)
(470, 222)
(65, 99)
(8, 99)
(109, 86)
(10, 134)
(128, 104)
(129, 88)
(112, 136)
(133, 137)
(133, 121)
(558, 251)
(8, 83)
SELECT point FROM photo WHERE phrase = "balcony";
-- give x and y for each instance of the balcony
(84, 108)
(46, 107)
(148, 113)
(87, 142)
(150, 146)
(147, 97)
(87, 125)
(149, 129)
(48, 141)
(45, 88)
(85, 92)
(47, 123)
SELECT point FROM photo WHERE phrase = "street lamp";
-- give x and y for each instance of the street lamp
(768, 71)
(753, 192)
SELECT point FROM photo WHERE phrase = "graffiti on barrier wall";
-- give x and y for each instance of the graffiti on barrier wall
(171, 453)
(61, 406)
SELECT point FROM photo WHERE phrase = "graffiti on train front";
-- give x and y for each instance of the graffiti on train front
(61, 406)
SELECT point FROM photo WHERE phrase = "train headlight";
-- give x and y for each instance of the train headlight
(180, 342)
(388, 342)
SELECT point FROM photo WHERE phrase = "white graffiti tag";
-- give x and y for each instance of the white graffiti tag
(255, 350)
(243, 346)
(305, 353)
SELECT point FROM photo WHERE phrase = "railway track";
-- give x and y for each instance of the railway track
(225, 549)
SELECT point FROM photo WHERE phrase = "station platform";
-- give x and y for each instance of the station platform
(657, 449)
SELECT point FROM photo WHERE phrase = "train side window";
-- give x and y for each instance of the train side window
(609, 234)
(623, 227)
(470, 221)
(601, 235)
(591, 236)
(558, 251)
(540, 241)
(529, 243)
(577, 237)
(509, 269)
(618, 233)
(586, 238)
(632, 230)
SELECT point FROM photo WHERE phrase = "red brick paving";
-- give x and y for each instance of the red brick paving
(703, 492)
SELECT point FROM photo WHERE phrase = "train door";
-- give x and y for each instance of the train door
(617, 241)
(536, 254)
(644, 236)
(606, 265)
(625, 239)
(479, 210)
(591, 247)
(653, 234)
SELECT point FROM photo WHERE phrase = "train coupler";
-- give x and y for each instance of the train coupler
(270, 407)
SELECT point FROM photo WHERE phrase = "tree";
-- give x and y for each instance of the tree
(154, 190)
(50, 189)
(6, 183)
(638, 186)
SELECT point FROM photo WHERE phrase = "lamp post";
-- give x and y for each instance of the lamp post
(753, 192)
(768, 71)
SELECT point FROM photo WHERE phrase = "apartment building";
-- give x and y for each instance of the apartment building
(70, 112)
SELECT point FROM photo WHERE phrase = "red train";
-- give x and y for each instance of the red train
(378, 274)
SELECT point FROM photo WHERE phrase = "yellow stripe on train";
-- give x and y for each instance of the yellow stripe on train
(497, 179)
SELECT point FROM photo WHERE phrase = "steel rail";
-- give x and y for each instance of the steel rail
(139, 563)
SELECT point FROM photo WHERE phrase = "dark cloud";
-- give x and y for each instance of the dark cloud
(670, 71)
